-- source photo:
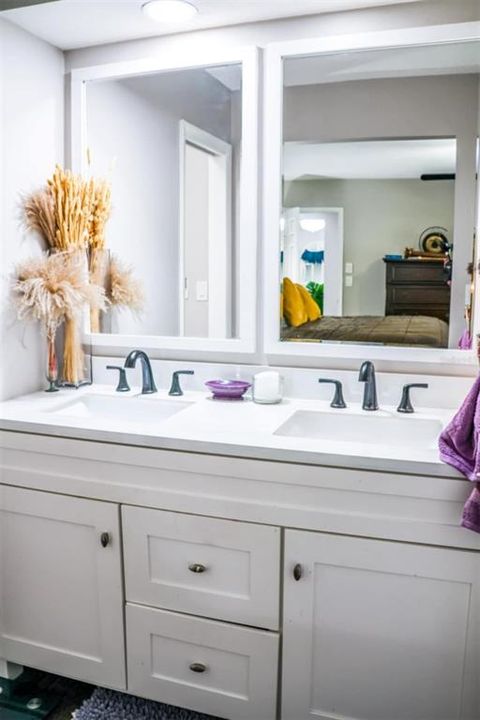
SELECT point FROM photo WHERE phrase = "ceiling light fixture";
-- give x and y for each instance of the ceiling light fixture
(169, 11)
(312, 224)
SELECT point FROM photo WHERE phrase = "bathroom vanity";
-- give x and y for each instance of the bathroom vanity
(247, 577)
(252, 562)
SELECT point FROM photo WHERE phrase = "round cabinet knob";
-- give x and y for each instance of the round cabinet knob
(34, 704)
(297, 572)
(105, 539)
(197, 568)
(198, 667)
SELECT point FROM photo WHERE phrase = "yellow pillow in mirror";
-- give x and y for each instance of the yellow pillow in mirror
(293, 305)
(311, 307)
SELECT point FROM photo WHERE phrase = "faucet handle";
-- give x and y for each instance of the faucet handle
(338, 400)
(405, 403)
(175, 388)
(123, 385)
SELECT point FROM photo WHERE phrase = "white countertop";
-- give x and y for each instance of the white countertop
(240, 429)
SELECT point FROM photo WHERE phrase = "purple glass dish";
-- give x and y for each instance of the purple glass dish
(228, 389)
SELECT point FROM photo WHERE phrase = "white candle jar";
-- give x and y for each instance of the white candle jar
(267, 387)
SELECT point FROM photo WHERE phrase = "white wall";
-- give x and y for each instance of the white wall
(134, 124)
(31, 104)
(433, 106)
(380, 216)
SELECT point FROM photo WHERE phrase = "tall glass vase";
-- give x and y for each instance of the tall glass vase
(76, 364)
(52, 365)
(99, 270)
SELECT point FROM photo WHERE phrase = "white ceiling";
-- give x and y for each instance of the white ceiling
(399, 62)
(70, 24)
(380, 159)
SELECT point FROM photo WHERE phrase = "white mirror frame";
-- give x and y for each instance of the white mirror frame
(189, 347)
(318, 354)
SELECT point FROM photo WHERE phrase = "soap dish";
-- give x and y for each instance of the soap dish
(228, 389)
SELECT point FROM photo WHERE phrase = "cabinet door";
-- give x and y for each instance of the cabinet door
(61, 604)
(378, 630)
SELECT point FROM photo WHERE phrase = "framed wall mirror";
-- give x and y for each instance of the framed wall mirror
(178, 142)
(371, 196)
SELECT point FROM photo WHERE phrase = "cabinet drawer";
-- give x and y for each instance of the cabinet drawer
(421, 272)
(220, 669)
(420, 295)
(203, 566)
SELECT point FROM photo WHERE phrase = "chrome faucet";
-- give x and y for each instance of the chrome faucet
(367, 376)
(148, 383)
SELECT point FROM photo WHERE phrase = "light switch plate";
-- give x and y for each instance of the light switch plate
(349, 268)
(348, 281)
(202, 290)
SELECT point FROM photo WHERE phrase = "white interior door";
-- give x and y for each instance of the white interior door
(379, 630)
(205, 234)
(289, 245)
(61, 598)
(295, 238)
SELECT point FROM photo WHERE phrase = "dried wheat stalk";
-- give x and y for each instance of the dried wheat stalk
(39, 210)
(100, 195)
(72, 200)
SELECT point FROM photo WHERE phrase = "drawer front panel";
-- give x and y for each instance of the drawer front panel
(215, 668)
(425, 272)
(420, 295)
(203, 566)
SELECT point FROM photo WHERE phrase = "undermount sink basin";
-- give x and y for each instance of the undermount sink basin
(130, 409)
(367, 429)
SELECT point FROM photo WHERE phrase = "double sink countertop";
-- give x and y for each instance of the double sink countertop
(295, 430)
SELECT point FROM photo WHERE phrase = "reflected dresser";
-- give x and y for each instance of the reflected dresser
(417, 287)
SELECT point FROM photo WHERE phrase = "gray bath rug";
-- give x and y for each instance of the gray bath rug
(111, 705)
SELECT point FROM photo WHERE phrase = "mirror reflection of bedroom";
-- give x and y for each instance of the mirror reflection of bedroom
(376, 233)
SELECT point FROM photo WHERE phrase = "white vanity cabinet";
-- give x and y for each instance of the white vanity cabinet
(357, 589)
(61, 598)
(377, 630)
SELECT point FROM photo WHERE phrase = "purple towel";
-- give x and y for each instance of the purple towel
(459, 446)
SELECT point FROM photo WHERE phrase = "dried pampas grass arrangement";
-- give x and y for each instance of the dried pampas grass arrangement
(124, 290)
(70, 214)
(52, 289)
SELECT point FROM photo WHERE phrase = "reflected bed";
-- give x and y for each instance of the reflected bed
(417, 330)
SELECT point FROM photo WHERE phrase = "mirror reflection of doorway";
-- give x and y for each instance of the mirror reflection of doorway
(205, 233)
(313, 252)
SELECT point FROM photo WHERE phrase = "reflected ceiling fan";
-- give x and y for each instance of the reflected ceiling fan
(437, 176)
(15, 4)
